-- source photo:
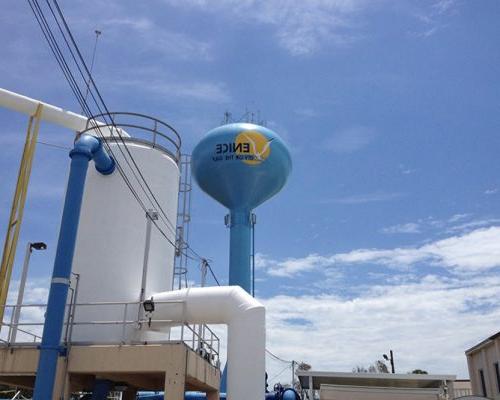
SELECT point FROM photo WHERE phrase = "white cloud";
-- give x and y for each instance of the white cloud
(199, 91)
(301, 27)
(444, 6)
(491, 191)
(364, 198)
(148, 36)
(293, 266)
(405, 170)
(410, 227)
(350, 140)
(456, 224)
(474, 224)
(434, 314)
(36, 292)
(306, 113)
(458, 217)
(469, 253)
(433, 18)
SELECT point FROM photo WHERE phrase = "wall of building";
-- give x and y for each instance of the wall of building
(486, 358)
(334, 392)
(462, 388)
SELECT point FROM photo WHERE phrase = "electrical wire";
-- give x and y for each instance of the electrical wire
(91, 88)
(58, 54)
(213, 274)
(77, 59)
(279, 373)
(278, 358)
(135, 169)
(56, 146)
(91, 80)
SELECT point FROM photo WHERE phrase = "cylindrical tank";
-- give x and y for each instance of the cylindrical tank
(110, 247)
(241, 165)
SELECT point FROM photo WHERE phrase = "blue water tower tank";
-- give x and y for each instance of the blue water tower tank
(241, 166)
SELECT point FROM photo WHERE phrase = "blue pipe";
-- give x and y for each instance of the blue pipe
(239, 260)
(86, 148)
(239, 249)
(287, 394)
(101, 389)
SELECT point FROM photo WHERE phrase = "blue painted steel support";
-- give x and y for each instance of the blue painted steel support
(239, 250)
(288, 394)
(86, 148)
(223, 380)
(101, 389)
(240, 271)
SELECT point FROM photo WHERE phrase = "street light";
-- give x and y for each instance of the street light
(38, 246)
(391, 359)
(22, 284)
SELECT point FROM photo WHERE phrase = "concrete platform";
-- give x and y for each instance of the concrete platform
(171, 367)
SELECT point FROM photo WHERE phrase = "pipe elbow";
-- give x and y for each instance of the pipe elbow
(91, 148)
(244, 302)
(86, 145)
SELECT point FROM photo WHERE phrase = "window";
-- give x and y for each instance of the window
(497, 374)
(483, 382)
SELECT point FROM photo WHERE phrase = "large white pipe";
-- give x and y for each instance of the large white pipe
(50, 113)
(245, 318)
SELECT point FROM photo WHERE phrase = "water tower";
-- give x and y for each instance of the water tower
(241, 165)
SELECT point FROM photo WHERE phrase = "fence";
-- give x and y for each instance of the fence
(130, 318)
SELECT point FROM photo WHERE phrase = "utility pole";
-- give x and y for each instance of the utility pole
(391, 359)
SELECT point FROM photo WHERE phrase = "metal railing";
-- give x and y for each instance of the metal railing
(131, 319)
(140, 128)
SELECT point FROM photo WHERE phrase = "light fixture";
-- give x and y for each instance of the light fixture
(38, 246)
(149, 305)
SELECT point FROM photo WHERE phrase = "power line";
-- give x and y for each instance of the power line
(53, 145)
(60, 58)
(91, 88)
(91, 80)
(213, 274)
(78, 59)
(278, 358)
(280, 373)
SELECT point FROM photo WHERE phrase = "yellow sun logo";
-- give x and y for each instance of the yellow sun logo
(259, 146)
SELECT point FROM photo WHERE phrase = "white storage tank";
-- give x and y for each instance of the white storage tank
(111, 241)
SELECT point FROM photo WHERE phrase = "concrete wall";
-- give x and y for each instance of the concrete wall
(172, 367)
(462, 388)
(334, 392)
(484, 357)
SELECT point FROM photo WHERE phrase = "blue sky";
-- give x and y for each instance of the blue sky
(388, 232)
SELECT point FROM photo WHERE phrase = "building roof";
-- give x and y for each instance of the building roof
(483, 343)
(366, 379)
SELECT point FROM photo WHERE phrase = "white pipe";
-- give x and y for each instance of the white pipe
(50, 113)
(246, 321)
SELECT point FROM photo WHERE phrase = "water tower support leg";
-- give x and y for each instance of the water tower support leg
(239, 250)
